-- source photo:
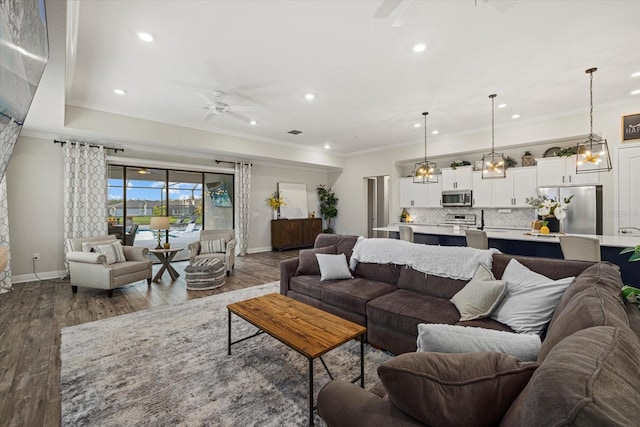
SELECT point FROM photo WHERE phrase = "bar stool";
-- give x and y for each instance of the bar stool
(406, 233)
(580, 248)
(476, 239)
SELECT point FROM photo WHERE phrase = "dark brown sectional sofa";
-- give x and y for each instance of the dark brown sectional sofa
(391, 300)
(588, 368)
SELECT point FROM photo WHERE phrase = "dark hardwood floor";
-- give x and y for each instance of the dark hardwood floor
(32, 316)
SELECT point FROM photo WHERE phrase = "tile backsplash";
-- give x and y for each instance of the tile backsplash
(517, 218)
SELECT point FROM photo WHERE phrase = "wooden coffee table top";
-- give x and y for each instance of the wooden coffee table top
(308, 330)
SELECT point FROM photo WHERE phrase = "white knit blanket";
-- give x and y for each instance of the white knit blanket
(455, 262)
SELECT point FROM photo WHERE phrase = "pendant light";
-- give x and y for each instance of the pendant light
(425, 171)
(493, 164)
(593, 154)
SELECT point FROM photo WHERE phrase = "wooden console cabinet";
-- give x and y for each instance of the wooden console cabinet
(294, 233)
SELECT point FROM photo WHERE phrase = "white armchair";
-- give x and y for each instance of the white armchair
(90, 269)
(229, 254)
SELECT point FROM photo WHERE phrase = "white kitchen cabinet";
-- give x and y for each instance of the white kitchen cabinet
(460, 178)
(561, 172)
(509, 192)
(414, 195)
(481, 191)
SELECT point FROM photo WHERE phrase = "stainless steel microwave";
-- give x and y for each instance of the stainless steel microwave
(456, 198)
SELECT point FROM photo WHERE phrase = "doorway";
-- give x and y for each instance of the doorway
(377, 204)
(628, 175)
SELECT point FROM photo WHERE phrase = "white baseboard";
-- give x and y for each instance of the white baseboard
(48, 275)
(257, 250)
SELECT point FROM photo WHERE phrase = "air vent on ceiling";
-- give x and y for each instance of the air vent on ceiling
(294, 132)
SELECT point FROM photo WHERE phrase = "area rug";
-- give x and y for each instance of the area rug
(169, 366)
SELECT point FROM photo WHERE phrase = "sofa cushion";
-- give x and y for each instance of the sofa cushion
(461, 339)
(480, 296)
(307, 261)
(590, 378)
(552, 268)
(387, 273)
(486, 323)
(531, 299)
(403, 310)
(592, 307)
(428, 284)
(333, 267)
(307, 285)
(603, 275)
(344, 243)
(455, 389)
(354, 294)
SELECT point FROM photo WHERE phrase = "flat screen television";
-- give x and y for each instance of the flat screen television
(24, 51)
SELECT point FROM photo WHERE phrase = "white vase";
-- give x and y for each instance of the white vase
(275, 214)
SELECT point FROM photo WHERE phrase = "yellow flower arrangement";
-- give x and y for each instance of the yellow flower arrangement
(275, 200)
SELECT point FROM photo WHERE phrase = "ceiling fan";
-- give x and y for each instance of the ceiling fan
(217, 107)
(395, 7)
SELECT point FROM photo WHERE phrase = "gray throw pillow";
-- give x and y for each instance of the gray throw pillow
(333, 267)
(466, 339)
(480, 296)
(308, 263)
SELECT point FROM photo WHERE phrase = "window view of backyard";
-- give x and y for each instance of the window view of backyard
(136, 194)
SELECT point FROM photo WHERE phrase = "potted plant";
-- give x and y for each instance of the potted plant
(629, 293)
(328, 202)
(274, 201)
(550, 210)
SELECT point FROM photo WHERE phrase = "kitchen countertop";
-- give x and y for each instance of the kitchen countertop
(616, 241)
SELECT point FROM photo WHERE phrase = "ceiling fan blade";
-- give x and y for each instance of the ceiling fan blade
(209, 117)
(386, 8)
(205, 98)
(401, 17)
(241, 107)
(238, 116)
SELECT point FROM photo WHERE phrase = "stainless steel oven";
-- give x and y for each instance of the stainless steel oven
(456, 198)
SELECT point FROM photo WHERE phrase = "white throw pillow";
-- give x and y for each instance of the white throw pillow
(114, 252)
(333, 267)
(465, 339)
(91, 246)
(480, 296)
(530, 300)
(213, 246)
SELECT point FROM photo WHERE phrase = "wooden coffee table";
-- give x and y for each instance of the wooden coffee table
(307, 330)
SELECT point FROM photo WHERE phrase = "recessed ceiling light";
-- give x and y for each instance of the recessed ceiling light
(502, 105)
(119, 91)
(635, 92)
(416, 125)
(253, 123)
(636, 74)
(145, 37)
(309, 96)
(420, 47)
(327, 146)
(435, 132)
(515, 116)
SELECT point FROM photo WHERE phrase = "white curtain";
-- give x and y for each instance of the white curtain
(85, 190)
(5, 276)
(242, 196)
(9, 131)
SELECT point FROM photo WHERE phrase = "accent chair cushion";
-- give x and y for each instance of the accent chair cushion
(333, 267)
(91, 246)
(213, 246)
(465, 339)
(112, 251)
(530, 300)
(461, 389)
(308, 263)
(480, 296)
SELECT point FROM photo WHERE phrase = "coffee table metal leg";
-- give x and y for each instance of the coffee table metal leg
(229, 332)
(362, 361)
(311, 405)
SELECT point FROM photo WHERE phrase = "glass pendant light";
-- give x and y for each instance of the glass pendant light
(493, 164)
(593, 154)
(425, 171)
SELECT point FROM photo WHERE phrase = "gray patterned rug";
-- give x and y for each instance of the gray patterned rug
(169, 366)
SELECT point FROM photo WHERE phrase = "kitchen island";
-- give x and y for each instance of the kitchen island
(523, 242)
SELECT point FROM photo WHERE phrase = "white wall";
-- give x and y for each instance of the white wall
(351, 189)
(35, 198)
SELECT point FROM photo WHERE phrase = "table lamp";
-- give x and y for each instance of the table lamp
(159, 223)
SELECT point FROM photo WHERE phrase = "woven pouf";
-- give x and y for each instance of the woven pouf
(205, 274)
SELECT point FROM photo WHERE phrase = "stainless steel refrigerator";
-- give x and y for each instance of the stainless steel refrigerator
(584, 215)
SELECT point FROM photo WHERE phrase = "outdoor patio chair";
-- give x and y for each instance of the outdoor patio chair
(130, 236)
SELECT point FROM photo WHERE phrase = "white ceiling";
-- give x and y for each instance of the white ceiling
(370, 86)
